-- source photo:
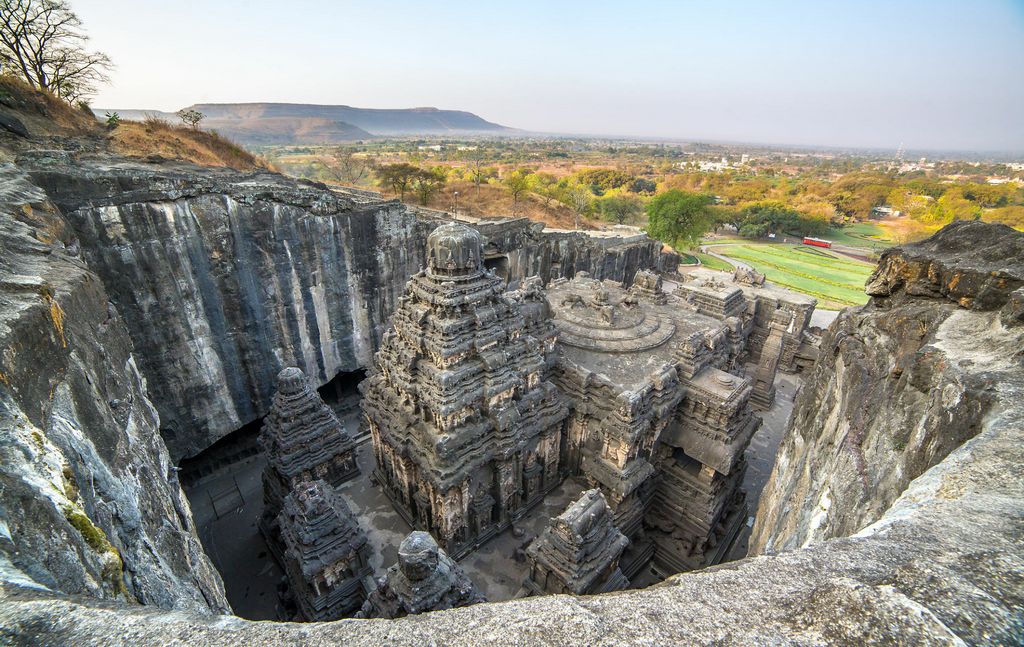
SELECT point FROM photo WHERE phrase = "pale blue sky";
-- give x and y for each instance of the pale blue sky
(928, 73)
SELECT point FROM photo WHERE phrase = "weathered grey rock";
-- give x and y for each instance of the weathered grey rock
(89, 499)
(249, 273)
(900, 383)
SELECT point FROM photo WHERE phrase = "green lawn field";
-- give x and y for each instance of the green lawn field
(862, 234)
(835, 280)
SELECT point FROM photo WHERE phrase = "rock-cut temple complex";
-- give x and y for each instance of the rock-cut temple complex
(483, 399)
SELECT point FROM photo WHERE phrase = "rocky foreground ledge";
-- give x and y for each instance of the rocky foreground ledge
(911, 424)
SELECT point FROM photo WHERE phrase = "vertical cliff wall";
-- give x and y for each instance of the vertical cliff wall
(89, 501)
(899, 383)
(223, 278)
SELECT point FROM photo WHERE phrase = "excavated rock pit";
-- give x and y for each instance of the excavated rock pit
(893, 513)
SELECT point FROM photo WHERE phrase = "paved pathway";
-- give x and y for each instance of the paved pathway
(707, 249)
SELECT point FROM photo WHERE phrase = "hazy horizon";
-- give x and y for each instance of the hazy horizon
(927, 75)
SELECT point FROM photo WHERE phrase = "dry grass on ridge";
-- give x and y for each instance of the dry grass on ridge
(157, 137)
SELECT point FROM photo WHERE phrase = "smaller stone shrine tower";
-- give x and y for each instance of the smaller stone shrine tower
(303, 440)
(326, 553)
(579, 552)
(424, 579)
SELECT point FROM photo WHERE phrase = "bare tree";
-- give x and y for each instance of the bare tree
(191, 117)
(579, 198)
(477, 171)
(41, 41)
(350, 168)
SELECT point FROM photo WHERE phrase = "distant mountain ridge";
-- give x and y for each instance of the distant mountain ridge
(300, 123)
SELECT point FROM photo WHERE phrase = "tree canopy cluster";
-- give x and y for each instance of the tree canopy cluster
(804, 197)
(403, 177)
(42, 42)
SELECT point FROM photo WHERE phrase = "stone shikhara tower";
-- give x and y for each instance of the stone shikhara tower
(465, 426)
(303, 440)
(326, 553)
(579, 552)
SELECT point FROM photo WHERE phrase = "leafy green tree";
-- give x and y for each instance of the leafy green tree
(517, 183)
(727, 215)
(603, 179)
(1012, 216)
(989, 195)
(427, 182)
(620, 208)
(643, 185)
(952, 206)
(546, 186)
(397, 177)
(679, 218)
(774, 217)
(746, 190)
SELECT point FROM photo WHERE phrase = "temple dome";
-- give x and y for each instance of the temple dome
(454, 249)
(291, 380)
(418, 555)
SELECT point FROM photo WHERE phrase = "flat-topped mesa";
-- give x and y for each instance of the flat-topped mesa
(303, 440)
(579, 552)
(465, 425)
(326, 554)
(424, 579)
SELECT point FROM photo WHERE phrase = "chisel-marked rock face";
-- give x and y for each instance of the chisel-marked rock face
(89, 500)
(899, 383)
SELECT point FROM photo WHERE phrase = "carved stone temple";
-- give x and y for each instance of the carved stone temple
(649, 394)
(326, 555)
(482, 400)
(579, 552)
(424, 579)
(466, 426)
(303, 440)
